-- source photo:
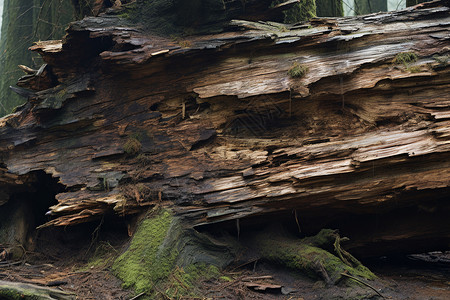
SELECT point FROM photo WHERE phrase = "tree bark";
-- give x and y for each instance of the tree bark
(323, 123)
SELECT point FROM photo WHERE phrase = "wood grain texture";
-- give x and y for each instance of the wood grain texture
(225, 133)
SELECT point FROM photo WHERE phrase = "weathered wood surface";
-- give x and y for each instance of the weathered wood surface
(225, 133)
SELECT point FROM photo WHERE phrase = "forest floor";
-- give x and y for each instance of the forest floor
(73, 265)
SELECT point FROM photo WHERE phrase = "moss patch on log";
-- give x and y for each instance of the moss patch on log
(297, 70)
(166, 259)
(319, 257)
(183, 281)
(132, 146)
(405, 58)
(144, 263)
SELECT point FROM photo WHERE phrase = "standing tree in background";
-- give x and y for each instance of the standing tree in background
(330, 8)
(83, 8)
(414, 2)
(369, 6)
(24, 22)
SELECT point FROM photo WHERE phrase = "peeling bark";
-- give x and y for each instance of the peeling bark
(359, 142)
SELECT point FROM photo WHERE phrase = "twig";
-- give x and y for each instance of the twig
(94, 235)
(362, 282)
(296, 220)
(179, 281)
(79, 272)
(257, 278)
(137, 296)
(9, 264)
(162, 293)
(56, 283)
(244, 264)
(230, 283)
(238, 228)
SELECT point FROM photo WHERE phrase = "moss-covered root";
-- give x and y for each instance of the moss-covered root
(165, 259)
(23, 291)
(320, 256)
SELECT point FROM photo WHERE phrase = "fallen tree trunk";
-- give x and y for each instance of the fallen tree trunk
(340, 122)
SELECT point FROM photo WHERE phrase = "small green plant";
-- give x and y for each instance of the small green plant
(103, 257)
(132, 146)
(225, 278)
(405, 58)
(185, 44)
(442, 60)
(414, 69)
(182, 281)
(125, 15)
(297, 70)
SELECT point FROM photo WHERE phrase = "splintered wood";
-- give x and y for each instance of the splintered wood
(215, 127)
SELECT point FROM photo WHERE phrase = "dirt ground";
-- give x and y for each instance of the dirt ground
(69, 264)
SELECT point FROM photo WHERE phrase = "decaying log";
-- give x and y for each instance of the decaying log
(219, 127)
(16, 290)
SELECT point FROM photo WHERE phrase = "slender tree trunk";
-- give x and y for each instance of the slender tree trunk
(370, 6)
(25, 22)
(330, 8)
(415, 2)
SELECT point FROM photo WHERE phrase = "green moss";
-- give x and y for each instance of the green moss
(132, 146)
(307, 257)
(18, 291)
(165, 259)
(185, 44)
(300, 12)
(127, 10)
(414, 69)
(124, 15)
(225, 278)
(182, 282)
(103, 257)
(145, 263)
(323, 239)
(442, 60)
(405, 58)
(297, 70)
